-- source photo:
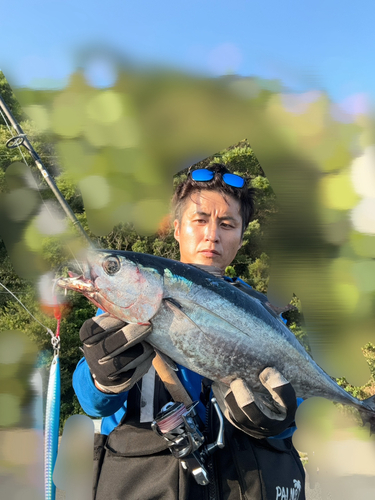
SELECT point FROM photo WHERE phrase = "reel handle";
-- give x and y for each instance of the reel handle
(220, 442)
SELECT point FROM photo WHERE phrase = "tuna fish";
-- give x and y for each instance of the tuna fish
(205, 324)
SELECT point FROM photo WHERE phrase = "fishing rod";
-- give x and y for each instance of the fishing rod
(52, 419)
(21, 139)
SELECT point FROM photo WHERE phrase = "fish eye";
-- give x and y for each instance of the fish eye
(111, 265)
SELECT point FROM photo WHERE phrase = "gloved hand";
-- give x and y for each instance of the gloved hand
(252, 412)
(115, 352)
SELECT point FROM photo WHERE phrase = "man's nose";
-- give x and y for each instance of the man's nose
(212, 232)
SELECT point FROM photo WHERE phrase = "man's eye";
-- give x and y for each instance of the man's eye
(226, 225)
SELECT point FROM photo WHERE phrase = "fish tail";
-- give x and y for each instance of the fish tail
(367, 413)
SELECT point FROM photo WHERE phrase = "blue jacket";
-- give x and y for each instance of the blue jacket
(112, 407)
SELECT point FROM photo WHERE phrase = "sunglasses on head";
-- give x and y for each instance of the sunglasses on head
(204, 175)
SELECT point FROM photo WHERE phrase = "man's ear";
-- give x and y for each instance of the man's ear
(176, 230)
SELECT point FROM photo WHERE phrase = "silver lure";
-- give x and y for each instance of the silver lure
(51, 433)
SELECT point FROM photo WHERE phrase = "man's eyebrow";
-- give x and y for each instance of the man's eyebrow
(198, 212)
(226, 217)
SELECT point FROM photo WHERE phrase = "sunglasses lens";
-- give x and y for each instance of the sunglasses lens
(234, 180)
(202, 175)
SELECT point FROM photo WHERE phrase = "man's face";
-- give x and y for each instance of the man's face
(210, 231)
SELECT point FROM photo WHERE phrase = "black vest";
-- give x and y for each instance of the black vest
(134, 463)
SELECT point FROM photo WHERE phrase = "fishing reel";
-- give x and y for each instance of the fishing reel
(178, 425)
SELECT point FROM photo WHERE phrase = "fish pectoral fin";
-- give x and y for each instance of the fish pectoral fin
(177, 309)
(173, 302)
(187, 309)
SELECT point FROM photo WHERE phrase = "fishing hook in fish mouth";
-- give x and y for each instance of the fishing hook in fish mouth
(77, 283)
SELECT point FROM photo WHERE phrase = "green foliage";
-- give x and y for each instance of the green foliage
(70, 193)
(262, 184)
(357, 392)
(230, 271)
(53, 252)
(2, 180)
(259, 273)
(304, 458)
(361, 392)
(7, 94)
(241, 158)
(8, 277)
(300, 333)
(166, 247)
(296, 324)
(369, 354)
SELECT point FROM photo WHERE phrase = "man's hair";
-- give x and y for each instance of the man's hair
(244, 195)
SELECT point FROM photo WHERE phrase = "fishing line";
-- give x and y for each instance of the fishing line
(35, 181)
(18, 300)
(52, 413)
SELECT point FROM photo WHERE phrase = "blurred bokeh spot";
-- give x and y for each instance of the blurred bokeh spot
(114, 145)
(17, 358)
(73, 469)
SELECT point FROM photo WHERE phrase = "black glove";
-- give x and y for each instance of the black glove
(115, 353)
(252, 412)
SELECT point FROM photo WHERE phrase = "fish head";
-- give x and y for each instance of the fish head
(119, 285)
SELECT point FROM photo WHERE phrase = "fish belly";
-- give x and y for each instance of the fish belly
(239, 346)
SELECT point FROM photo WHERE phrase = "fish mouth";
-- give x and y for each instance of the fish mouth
(77, 283)
(81, 279)
(85, 286)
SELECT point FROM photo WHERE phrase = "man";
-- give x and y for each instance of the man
(116, 381)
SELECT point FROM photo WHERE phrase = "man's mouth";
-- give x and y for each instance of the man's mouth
(209, 252)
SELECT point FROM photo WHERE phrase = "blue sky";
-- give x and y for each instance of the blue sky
(326, 45)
